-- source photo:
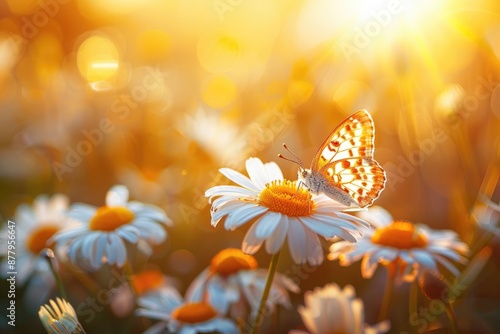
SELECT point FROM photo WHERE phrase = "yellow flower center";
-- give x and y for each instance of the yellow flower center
(37, 239)
(285, 197)
(194, 312)
(147, 280)
(110, 218)
(400, 234)
(230, 261)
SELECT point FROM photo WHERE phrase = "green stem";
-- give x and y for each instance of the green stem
(129, 271)
(452, 318)
(49, 256)
(270, 276)
(387, 293)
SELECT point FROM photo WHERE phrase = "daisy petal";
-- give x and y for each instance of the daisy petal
(267, 224)
(117, 196)
(257, 172)
(277, 238)
(238, 178)
(251, 243)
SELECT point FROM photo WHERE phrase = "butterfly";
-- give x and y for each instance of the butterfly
(343, 167)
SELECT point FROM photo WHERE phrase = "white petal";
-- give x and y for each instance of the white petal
(276, 240)
(234, 191)
(315, 254)
(238, 178)
(100, 245)
(117, 196)
(448, 265)
(194, 292)
(149, 211)
(242, 215)
(82, 212)
(257, 172)
(304, 244)
(327, 230)
(115, 250)
(88, 249)
(368, 266)
(376, 216)
(424, 258)
(251, 243)
(150, 230)
(273, 171)
(128, 233)
(220, 210)
(267, 224)
(69, 233)
(297, 241)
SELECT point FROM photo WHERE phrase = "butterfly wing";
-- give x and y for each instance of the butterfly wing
(345, 159)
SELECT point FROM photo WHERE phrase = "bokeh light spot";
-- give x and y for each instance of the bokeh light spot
(219, 91)
(98, 59)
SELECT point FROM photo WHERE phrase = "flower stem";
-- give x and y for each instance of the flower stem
(452, 318)
(270, 276)
(129, 273)
(388, 292)
(49, 256)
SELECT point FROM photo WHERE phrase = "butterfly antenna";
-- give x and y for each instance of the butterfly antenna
(297, 159)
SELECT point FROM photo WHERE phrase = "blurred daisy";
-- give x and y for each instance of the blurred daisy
(400, 244)
(181, 317)
(233, 282)
(487, 216)
(59, 317)
(102, 233)
(333, 310)
(34, 226)
(148, 281)
(279, 210)
(216, 137)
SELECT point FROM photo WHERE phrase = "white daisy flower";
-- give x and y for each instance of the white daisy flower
(34, 226)
(334, 310)
(400, 244)
(182, 317)
(280, 210)
(487, 216)
(233, 282)
(102, 233)
(60, 317)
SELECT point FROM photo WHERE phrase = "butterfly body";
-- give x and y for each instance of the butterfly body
(317, 185)
(343, 167)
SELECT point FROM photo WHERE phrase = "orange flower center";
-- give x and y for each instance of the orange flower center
(37, 239)
(285, 197)
(400, 234)
(230, 261)
(147, 280)
(110, 218)
(194, 312)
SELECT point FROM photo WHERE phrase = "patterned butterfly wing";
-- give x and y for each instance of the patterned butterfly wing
(345, 159)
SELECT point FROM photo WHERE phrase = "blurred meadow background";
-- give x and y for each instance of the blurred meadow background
(158, 95)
